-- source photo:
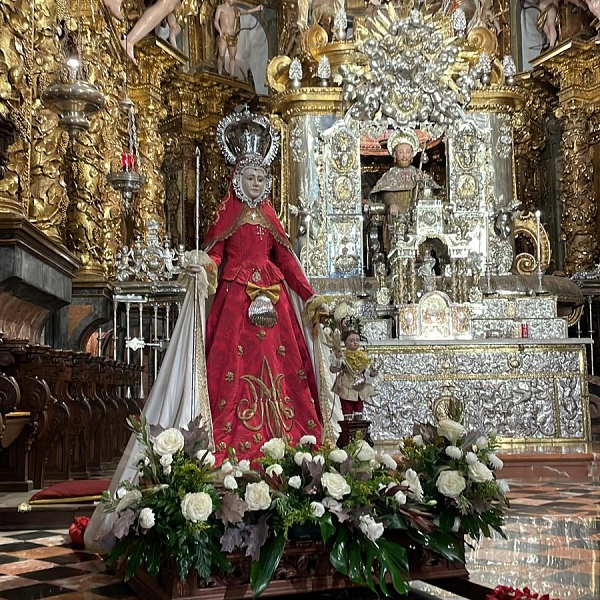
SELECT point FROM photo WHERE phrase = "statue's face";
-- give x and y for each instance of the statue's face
(403, 154)
(254, 181)
(352, 342)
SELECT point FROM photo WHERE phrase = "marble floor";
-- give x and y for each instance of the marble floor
(553, 547)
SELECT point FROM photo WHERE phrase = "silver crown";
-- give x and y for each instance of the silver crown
(245, 134)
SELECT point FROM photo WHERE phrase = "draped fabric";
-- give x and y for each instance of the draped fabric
(178, 396)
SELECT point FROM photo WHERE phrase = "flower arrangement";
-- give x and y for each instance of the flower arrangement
(456, 470)
(505, 592)
(187, 509)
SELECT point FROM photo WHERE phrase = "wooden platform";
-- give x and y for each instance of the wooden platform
(557, 462)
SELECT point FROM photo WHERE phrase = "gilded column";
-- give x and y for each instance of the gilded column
(48, 203)
(574, 69)
(16, 93)
(580, 208)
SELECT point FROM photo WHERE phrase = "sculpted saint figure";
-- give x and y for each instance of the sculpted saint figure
(227, 24)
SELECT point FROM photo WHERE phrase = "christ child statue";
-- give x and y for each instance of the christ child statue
(352, 365)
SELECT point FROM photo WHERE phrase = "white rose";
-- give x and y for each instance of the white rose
(230, 483)
(480, 473)
(274, 470)
(414, 485)
(131, 498)
(453, 452)
(257, 496)
(244, 465)
(317, 509)
(471, 458)
(481, 442)
(196, 507)
(300, 457)
(495, 462)
(400, 497)
(335, 485)
(503, 486)
(306, 440)
(451, 483)
(146, 518)
(370, 527)
(274, 448)
(166, 460)
(365, 452)
(338, 456)
(331, 504)
(418, 440)
(207, 458)
(451, 430)
(227, 467)
(388, 462)
(295, 482)
(169, 441)
(319, 459)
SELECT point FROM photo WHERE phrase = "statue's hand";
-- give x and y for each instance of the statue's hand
(394, 210)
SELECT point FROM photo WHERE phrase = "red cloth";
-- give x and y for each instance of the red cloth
(261, 382)
(77, 529)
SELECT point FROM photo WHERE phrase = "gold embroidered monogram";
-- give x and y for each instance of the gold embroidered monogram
(240, 351)
(281, 350)
(267, 407)
(222, 403)
(227, 427)
(261, 335)
(302, 374)
(229, 376)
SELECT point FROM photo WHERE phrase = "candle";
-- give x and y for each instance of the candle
(127, 161)
(538, 240)
(307, 220)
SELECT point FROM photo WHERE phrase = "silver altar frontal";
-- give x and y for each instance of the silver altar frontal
(529, 390)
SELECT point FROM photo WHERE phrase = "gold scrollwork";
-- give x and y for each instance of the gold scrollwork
(526, 226)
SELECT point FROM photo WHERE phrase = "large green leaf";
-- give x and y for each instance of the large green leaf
(338, 556)
(327, 527)
(135, 558)
(262, 571)
(355, 568)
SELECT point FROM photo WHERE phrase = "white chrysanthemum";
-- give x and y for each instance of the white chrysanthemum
(481, 442)
(454, 452)
(471, 458)
(495, 462)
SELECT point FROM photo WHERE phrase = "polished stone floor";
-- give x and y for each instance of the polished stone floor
(553, 547)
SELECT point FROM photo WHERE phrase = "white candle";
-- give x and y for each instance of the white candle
(307, 243)
(538, 240)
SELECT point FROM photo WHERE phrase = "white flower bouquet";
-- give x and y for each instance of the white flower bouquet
(188, 511)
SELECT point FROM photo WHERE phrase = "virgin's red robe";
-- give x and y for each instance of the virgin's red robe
(261, 382)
